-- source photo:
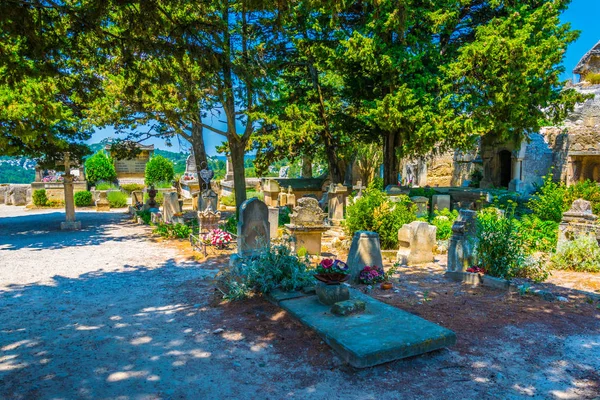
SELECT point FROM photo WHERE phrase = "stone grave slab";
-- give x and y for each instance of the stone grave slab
(380, 334)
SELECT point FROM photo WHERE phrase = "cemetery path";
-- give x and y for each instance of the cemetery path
(109, 313)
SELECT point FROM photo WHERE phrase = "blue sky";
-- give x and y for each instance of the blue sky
(584, 15)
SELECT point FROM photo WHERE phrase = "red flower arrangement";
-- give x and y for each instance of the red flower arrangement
(332, 272)
(371, 274)
(476, 269)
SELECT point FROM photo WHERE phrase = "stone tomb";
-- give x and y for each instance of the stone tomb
(417, 241)
(306, 225)
(170, 206)
(364, 250)
(579, 220)
(380, 334)
(253, 229)
(461, 250)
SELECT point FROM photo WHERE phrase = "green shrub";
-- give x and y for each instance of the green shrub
(132, 187)
(145, 216)
(39, 197)
(276, 268)
(376, 183)
(532, 268)
(375, 212)
(172, 231)
(443, 221)
(158, 198)
(593, 78)
(100, 167)
(55, 203)
(163, 185)
(117, 199)
(103, 185)
(83, 199)
(423, 192)
(284, 216)
(159, 169)
(230, 225)
(580, 254)
(500, 249)
(228, 200)
(548, 203)
(537, 234)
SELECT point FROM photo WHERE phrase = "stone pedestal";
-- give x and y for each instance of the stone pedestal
(422, 204)
(417, 241)
(70, 225)
(331, 294)
(282, 199)
(306, 225)
(309, 238)
(365, 250)
(271, 191)
(102, 203)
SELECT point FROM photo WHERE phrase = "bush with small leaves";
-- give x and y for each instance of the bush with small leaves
(581, 254)
(100, 167)
(117, 199)
(39, 198)
(159, 169)
(83, 198)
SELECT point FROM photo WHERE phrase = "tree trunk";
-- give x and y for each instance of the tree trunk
(391, 163)
(239, 174)
(306, 167)
(198, 148)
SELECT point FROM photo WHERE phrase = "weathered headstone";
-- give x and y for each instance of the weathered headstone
(440, 202)
(359, 186)
(170, 206)
(422, 204)
(253, 227)
(306, 225)
(102, 203)
(3, 191)
(579, 220)
(364, 250)
(291, 198)
(417, 241)
(228, 170)
(208, 197)
(337, 202)
(461, 251)
(273, 221)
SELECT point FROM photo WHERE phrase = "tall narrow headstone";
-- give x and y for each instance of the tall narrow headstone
(416, 241)
(365, 250)
(337, 202)
(461, 251)
(273, 221)
(170, 206)
(253, 227)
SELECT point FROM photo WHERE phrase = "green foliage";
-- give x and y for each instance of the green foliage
(83, 198)
(228, 200)
(230, 225)
(172, 231)
(163, 185)
(587, 190)
(548, 203)
(376, 183)
(276, 268)
(302, 252)
(100, 167)
(39, 197)
(159, 198)
(443, 221)
(145, 215)
(532, 268)
(132, 187)
(117, 199)
(593, 78)
(375, 212)
(102, 185)
(159, 169)
(500, 249)
(537, 234)
(423, 192)
(284, 216)
(581, 254)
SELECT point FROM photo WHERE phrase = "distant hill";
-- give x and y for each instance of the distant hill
(17, 170)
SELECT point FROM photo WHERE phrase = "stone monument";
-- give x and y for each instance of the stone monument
(579, 220)
(102, 203)
(461, 250)
(417, 241)
(208, 219)
(273, 221)
(337, 202)
(253, 231)
(306, 225)
(170, 206)
(271, 190)
(364, 250)
(282, 198)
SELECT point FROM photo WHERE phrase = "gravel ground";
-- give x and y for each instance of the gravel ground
(109, 313)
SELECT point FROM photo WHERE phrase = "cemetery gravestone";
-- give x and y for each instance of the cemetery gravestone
(102, 203)
(461, 251)
(417, 241)
(253, 228)
(207, 198)
(422, 205)
(282, 198)
(440, 202)
(364, 250)
(306, 225)
(170, 206)
(337, 202)
(271, 190)
(273, 221)
(291, 198)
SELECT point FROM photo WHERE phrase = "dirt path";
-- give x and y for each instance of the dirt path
(108, 313)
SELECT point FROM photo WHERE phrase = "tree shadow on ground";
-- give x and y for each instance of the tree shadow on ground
(42, 231)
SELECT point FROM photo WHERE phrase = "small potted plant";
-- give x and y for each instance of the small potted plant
(330, 274)
(387, 276)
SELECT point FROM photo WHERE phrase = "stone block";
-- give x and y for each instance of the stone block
(70, 225)
(348, 307)
(440, 202)
(170, 206)
(496, 283)
(461, 250)
(331, 294)
(102, 203)
(380, 334)
(364, 250)
(417, 241)
(465, 277)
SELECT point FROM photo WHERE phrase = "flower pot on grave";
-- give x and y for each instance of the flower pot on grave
(331, 294)
(386, 285)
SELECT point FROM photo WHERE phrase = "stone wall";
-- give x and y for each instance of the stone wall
(56, 190)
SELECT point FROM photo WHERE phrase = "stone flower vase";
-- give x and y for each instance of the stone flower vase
(331, 294)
